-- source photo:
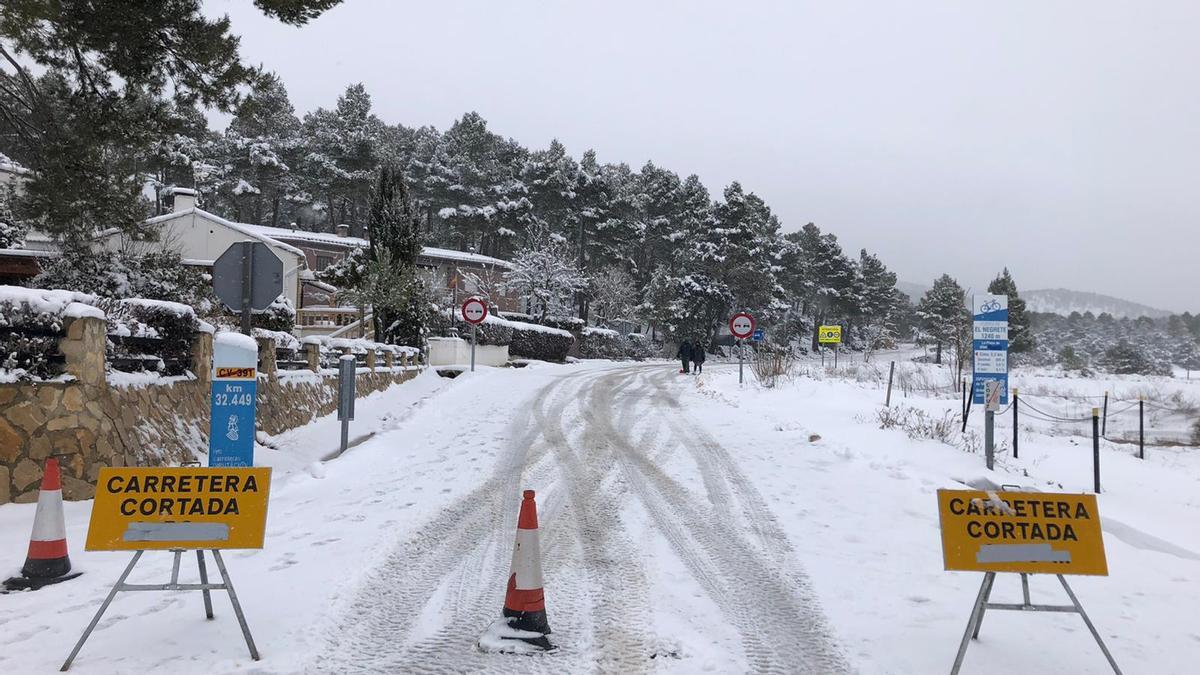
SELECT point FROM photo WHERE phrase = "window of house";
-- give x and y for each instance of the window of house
(324, 261)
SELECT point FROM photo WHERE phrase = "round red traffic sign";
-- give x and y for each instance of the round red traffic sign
(474, 311)
(741, 325)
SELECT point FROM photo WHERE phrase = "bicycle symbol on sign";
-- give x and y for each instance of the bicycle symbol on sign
(990, 306)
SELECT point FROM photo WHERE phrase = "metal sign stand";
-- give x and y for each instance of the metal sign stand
(982, 605)
(474, 327)
(173, 585)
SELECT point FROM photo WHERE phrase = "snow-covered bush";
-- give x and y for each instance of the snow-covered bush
(601, 343)
(1127, 359)
(32, 321)
(568, 323)
(640, 347)
(279, 316)
(149, 334)
(12, 232)
(532, 341)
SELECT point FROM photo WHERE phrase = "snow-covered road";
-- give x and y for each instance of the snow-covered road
(594, 444)
(687, 525)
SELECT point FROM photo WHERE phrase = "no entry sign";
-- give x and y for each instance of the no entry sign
(741, 325)
(474, 311)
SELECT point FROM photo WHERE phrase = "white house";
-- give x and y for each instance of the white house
(202, 237)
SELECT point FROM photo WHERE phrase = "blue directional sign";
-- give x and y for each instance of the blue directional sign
(990, 346)
(759, 335)
(234, 401)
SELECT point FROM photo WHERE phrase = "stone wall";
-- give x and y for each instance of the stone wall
(94, 420)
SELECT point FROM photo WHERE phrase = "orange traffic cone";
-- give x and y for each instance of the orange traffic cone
(524, 627)
(47, 562)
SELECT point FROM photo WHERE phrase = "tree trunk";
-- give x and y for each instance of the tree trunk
(938, 358)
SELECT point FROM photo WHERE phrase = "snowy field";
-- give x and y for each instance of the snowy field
(688, 525)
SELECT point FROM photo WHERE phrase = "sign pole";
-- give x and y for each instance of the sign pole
(474, 327)
(247, 283)
(989, 439)
(1141, 427)
(347, 369)
(887, 403)
(1016, 401)
(1096, 448)
(740, 377)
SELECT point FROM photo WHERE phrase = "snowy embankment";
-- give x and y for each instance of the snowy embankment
(859, 505)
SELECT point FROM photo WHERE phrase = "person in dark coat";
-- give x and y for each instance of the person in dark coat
(684, 355)
(698, 357)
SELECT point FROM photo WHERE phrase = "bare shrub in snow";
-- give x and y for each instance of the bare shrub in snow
(918, 424)
(768, 365)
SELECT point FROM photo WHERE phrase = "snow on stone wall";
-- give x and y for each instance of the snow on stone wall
(96, 420)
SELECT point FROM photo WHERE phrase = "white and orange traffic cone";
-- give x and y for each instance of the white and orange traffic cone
(47, 561)
(525, 600)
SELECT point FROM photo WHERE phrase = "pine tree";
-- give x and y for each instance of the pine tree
(395, 233)
(1020, 338)
(343, 152)
(944, 314)
(878, 301)
(106, 69)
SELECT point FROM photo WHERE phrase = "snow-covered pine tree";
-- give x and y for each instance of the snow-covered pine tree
(943, 313)
(343, 152)
(395, 233)
(831, 278)
(877, 301)
(1020, 338)
(742, 250)
(265, 147)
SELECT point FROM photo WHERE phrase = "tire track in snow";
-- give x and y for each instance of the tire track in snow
(782, 627)
(371, 633)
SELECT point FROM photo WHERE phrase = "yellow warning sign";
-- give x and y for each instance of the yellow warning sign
(829, 335)
(1031, 532)
(179, 507)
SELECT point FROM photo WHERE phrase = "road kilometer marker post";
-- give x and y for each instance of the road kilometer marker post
(1024, 533)
(474, 311)
(178, 509)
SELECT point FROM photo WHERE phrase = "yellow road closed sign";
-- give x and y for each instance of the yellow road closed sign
(179, 507)
(1030, 532)
(829, 334)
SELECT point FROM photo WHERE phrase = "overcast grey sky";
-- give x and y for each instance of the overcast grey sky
(1061, 139)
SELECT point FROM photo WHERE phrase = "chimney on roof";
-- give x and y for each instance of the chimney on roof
(185, 198)
(343, 230)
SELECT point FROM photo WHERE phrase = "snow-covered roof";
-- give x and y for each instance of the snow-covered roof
(7, 164)
(358, 242)
(244, 228)
(315, 237)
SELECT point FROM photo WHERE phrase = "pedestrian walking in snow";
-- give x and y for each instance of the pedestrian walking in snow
(698, 357)
(684, 355)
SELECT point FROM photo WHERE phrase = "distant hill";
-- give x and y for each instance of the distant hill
(1063, 301)
(914, 291)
